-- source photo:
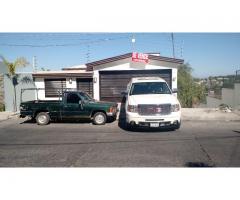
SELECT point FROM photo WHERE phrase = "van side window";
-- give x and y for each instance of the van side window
(73, 98)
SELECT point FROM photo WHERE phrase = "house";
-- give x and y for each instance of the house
(106, 79)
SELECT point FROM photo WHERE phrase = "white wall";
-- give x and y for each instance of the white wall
(96, 85)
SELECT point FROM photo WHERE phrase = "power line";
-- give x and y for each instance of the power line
(65, 45)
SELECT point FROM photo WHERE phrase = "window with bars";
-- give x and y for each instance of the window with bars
(54, 87)
(85, 85)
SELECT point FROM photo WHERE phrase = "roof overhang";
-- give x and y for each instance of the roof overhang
(93, 65)
(62, 74)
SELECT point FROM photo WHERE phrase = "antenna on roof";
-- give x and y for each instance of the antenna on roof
(133, 42)
(34, 63)
(173, 47)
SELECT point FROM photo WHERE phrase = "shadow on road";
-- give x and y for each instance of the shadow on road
(197, 164)
(72, 121)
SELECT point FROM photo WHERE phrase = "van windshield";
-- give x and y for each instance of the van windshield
(149, 88)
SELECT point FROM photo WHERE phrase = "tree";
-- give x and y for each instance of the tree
(15, 78)
(190, 93)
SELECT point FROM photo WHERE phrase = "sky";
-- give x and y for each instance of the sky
(209, 54)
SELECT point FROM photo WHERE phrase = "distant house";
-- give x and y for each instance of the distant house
(106, 79)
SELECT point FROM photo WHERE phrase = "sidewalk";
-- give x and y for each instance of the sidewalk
(6, 115)
(208, 114)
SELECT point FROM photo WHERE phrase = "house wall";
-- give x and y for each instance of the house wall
(9, 93)
(237, 95)
(230, 97)
(213, 102)
(1, 89)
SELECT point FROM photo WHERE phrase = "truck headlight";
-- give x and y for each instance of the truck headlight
(175, 107)
(132, 108)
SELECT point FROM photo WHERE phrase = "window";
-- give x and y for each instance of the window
(150, 88)
(73, 98)
(54, 87)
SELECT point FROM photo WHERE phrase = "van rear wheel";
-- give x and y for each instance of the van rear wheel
(42, 118)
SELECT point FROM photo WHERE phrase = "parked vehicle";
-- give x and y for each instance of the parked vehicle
(150, 102)
(71, 105)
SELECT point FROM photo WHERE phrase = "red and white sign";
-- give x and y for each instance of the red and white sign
(139, 57)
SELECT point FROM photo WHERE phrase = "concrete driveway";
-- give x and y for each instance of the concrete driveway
(25, 144)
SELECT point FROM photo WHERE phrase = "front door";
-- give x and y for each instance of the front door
(72, 108)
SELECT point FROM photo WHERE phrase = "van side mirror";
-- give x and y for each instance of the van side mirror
(175, 90)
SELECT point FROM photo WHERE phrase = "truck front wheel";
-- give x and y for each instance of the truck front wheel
(99, 118)
(42, 118)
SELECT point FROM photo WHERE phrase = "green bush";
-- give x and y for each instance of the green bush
(2, 107)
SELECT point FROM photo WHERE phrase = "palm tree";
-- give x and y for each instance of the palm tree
(15, 78)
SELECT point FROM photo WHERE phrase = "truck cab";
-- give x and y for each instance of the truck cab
(151, 103)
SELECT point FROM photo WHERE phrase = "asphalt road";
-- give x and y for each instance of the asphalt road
(24, 144)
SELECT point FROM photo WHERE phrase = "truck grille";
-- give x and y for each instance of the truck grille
(153, 109)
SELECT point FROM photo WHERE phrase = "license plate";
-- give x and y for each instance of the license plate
(154, 124)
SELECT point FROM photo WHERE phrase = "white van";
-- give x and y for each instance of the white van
(150, 102)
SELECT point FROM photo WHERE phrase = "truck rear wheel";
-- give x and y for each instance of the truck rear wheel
(42, 118)
(99, 118)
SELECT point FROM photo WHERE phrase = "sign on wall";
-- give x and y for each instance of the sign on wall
(139, 57)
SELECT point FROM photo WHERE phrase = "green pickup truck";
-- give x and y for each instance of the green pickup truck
(71, 105)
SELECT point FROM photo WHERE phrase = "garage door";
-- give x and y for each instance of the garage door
(86, 85)
(112, 83)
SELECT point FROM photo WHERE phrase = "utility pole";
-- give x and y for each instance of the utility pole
(173, 46)
(182, 49)
(237, 77)
(34, 64)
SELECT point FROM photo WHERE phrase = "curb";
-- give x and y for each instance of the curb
(212, 120)
(9, 117)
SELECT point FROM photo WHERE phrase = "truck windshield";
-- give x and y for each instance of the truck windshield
(149, 88)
